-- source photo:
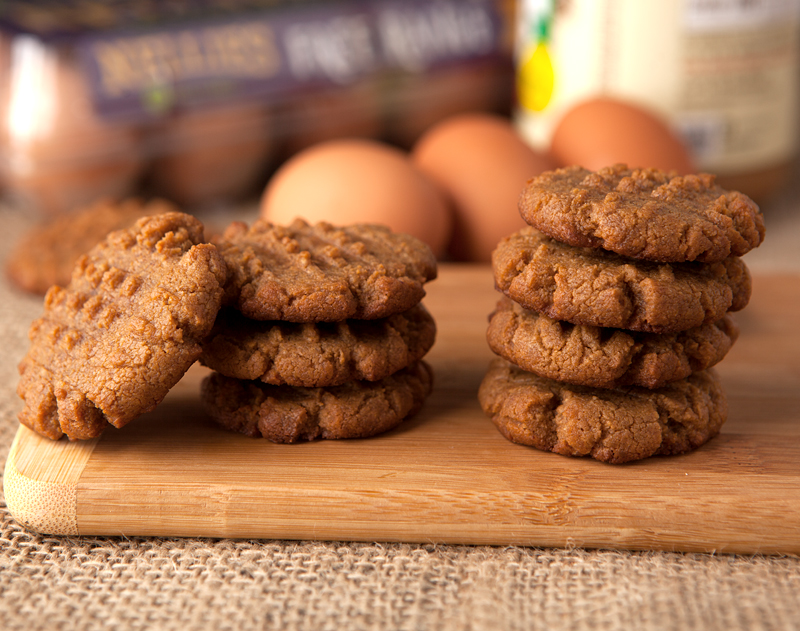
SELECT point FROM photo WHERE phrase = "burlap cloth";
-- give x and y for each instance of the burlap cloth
(183, 584)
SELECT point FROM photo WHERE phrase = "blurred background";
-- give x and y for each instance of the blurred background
(425, 115)
(200, 101)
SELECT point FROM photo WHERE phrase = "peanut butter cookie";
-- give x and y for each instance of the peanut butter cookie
(286, 414)
(596, 287)
(643, 213)
(612, 426)
(113, 342)
(317, 354)
(46, 255)
(604, 358)
(322, 273)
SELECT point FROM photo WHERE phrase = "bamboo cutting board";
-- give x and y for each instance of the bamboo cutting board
(447, 475)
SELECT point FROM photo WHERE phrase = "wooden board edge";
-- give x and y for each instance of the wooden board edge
(189, 510)
(44, 501)
(640, 541)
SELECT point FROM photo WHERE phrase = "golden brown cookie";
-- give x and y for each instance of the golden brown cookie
(613, 426)
(600, 288)
(46, 255)
(286, 414)
(643, 213)
(113, 342)
(317, 354)
(600, 357)
(323, 273)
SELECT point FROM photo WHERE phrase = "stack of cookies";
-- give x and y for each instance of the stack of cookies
(616, 305)
(314, 331)
(322, 333)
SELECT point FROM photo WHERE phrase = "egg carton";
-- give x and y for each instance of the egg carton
(199, 103)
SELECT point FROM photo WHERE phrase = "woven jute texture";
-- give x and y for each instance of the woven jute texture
(77, 583)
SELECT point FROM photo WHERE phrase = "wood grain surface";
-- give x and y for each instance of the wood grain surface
(446, 475)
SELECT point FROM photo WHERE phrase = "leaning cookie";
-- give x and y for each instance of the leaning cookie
(604, 358)
(113, 342)
(323, 273)
(643, 213)
(317, 354)
(286, 414)
(46, 255)
(600, 288)
(612, 426)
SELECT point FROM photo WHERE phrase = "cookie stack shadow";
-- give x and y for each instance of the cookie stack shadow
(616, 306)
(326, 339)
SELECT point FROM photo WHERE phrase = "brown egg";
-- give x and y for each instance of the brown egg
(60, 154)
(211, 155)
(482, 164)
(351, 181)
(603, 131)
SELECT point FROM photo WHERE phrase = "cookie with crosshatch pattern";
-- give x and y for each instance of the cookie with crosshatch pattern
(112, 343)
(321, 272)
(643, 213)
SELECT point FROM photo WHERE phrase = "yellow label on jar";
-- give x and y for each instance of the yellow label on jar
(535, 79)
